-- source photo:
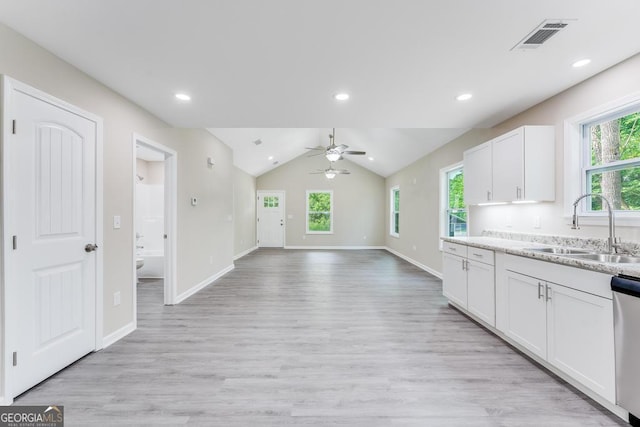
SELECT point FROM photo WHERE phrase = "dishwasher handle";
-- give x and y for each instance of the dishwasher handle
(628, 285)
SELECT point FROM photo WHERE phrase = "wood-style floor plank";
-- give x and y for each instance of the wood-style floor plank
(313, 338)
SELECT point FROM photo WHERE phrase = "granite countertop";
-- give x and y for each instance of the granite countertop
(521, 248)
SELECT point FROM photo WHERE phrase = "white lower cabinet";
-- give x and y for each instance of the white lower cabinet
(469, 280)
(454, 283)
(569, 328)
(526, 312)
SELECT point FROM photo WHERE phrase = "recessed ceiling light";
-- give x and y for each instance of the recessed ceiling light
(341, 96)
(183, 96)
(464, 97)
(371, 159)
(270, 158)
(581, 63)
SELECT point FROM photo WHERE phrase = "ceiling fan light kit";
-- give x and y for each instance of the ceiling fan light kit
(334, 153)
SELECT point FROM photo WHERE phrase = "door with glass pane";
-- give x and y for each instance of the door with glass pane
(271, 224)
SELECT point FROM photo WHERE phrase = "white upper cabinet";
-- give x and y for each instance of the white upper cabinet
(516, 166)
(478, 178)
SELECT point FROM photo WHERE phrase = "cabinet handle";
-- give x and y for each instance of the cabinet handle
(548, 292)
(452, 249)
(518, 193)
(463, 264)
(539, 290)
(488, 196)
(478, 255)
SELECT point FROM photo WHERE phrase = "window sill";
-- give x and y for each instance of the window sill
(397, 236)
(319, 232)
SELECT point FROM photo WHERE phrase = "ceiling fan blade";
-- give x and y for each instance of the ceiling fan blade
(316, 173)
(342, 172)
(317, 154)
(355, 153)
(342, 147)
(315, 148)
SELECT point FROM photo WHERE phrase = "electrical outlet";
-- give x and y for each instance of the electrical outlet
(364, 238)
(415, 248)
(116, 299)
(211, 260)
(536, 221)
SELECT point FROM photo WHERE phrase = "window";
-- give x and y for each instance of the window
(611, 161)
(319, 212)
(271, 201)
(395, 212)
(453, 209)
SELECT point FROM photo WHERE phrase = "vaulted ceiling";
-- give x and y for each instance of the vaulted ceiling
(268, 70)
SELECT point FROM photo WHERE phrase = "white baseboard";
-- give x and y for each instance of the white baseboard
(243, 253)
(186, 294)
(118, 335)
(335, 247)
(416, 263)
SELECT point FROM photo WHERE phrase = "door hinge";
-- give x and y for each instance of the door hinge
(13, 127)
(258, 219)
(165, 236)
(15, 358)
(14, 242)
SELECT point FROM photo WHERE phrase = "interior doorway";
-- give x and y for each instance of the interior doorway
(154, 212)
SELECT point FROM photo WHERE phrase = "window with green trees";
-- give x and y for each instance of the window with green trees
(611, 162)
(395, 212)
(456, 211)
(320, 212)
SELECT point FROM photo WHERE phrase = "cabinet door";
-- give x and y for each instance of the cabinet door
(477, 175)
(526, 313)
(580, 338)
(508, 166)
(481, 291)
(454, 279)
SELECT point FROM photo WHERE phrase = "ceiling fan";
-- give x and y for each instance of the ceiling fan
(335, 152)
(331, 172)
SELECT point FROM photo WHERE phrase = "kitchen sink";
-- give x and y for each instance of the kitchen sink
(613, 258)
(560, 251)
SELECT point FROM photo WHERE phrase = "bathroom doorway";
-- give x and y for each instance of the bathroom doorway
(154, 213)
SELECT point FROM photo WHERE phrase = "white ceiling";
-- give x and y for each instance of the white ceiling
(277, 63)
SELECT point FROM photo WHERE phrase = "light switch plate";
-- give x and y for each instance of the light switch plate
(116, 222)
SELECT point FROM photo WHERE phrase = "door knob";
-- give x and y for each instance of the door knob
(90, 247)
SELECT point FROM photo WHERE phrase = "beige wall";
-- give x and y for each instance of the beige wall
(359, 202)
(244, 209)
(419, 214)
(420, 201)
(205, 235)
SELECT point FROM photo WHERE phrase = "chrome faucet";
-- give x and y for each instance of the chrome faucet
(612, 243)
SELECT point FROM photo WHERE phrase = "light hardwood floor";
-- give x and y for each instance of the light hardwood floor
(313, 338)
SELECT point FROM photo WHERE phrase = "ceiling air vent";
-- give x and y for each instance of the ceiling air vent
(257, 141)
(541, 34)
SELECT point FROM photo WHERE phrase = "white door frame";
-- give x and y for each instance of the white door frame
(7, 273)
(259, 193)
(170, 219)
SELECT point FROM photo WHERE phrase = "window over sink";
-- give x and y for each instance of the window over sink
(611, 161)
(602, 156)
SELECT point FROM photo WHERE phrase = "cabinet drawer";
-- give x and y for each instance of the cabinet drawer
(480, 255)
(455, 248)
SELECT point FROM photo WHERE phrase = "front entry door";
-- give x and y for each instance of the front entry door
(270, 219)
(51, 269)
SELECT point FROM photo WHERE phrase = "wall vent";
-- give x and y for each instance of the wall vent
(541, 34)
(257, 141)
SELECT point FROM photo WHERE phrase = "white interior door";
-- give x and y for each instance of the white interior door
(271, 219)
(51, 274)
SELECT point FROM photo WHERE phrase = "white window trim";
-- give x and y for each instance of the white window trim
(331, 212)
(444, 190)
(392, 217)
(574, 175)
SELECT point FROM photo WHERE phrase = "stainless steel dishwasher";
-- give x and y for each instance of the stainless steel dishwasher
(626, 326)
